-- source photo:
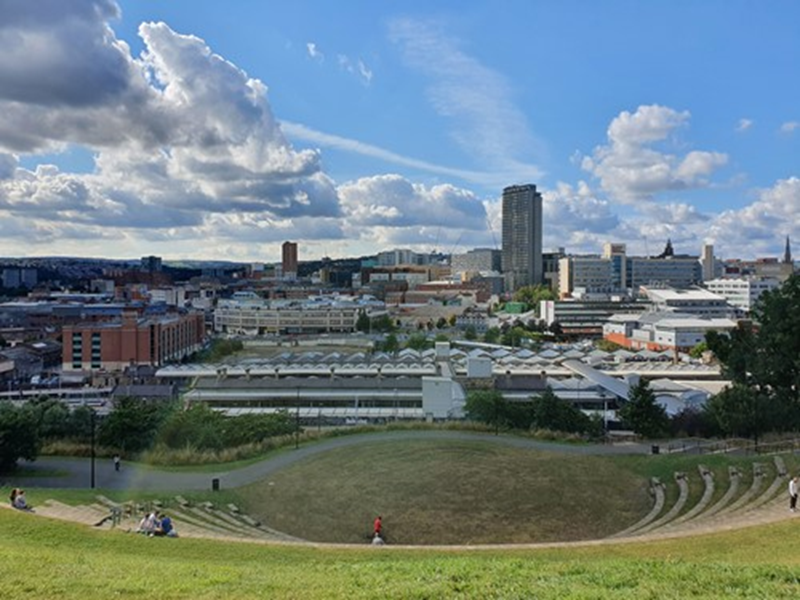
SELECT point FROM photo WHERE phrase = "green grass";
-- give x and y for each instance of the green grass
(450, 492)
(48, 559)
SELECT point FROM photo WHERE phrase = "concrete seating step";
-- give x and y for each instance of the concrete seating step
(656, 490)
(672, 513)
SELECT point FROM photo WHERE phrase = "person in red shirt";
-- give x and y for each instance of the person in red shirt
(376, 530)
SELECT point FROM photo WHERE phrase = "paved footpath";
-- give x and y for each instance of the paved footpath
(55, 472)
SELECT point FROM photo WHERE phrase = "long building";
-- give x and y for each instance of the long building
(320, 315)
(132, 340)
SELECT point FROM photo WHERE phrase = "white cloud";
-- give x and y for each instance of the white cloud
(314, 52)
(179, 133)
(391, 200)
(758, 228)
(302, 132)
(355, 67)
(744, 124)
(364, 71)
(486, 123)
(630, 169)
(790, 126)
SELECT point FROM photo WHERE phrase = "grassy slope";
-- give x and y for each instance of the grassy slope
(445, 492)
(48, 559)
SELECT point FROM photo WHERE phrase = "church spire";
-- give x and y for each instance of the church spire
(787, 253)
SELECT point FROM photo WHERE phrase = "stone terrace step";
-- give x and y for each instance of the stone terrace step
(657, 491)
(759, 473)
(708, 491)
(683, 496)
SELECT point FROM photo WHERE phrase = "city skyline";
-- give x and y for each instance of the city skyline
(203, 131)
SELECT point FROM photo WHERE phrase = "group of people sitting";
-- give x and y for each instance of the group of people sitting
(18, 499)
(157, 524)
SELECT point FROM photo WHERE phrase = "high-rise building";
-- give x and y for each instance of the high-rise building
(289, 262)
(151, 264)
(522, 236)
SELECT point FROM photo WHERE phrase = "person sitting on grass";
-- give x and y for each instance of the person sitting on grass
(148, 525)
(13, 495)
(165, 527)
(20, 502)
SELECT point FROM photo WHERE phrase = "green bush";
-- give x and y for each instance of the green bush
(18, 436)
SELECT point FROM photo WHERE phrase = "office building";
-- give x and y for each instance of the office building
(132, 340)
(479, 260)
(743, 292)
(151, 264)
(289, 260)
(522, 236)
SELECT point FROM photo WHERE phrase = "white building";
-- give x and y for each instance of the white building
(698, 302)
(251, 315)
(662, 330)
(742, 293)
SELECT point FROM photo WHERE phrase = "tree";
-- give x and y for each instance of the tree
(642, 414)
(741, 410)
(514, 336)
(18, 436)
(133, 424)
(698, 350)
(492, 335)
(486, 406)
(551, 412)
(383, 324)
(363, 322)
(764, 357)
(531, 295)
(389, 344)
(441, 323)
(470, 333)
(418, 342)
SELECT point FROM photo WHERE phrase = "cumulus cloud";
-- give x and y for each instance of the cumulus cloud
(631, 169)
(392, 200)
(744, 125)
(314, 52)
(762, 225)
(179, 132)
(790, 126)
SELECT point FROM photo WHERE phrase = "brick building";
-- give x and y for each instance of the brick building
(133, 340)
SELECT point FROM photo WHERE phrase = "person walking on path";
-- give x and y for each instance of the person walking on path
(793, 489)
(377, 527)
(117, 461)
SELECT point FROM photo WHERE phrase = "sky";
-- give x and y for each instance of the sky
(198, 129)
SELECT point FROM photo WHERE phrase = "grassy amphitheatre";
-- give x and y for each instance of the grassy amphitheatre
(430, 492)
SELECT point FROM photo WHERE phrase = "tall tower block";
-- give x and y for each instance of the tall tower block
(522, 236)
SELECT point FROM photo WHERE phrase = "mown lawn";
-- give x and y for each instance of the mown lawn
(450, 492)
(48, 559)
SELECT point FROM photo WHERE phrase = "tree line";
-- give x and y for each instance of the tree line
(132, 426)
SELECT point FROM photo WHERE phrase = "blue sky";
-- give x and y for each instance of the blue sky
(219, 130)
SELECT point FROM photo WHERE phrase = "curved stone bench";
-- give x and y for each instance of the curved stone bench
(734, 477)
(708, 491)
(683, 496)
(659, 499)
(758, 477)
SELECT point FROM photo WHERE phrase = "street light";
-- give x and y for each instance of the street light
(297, 420)
(94, 416)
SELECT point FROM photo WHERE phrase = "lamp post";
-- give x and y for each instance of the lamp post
(93, 447)
(297, 420)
